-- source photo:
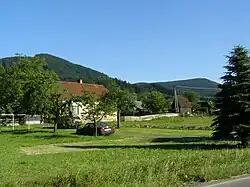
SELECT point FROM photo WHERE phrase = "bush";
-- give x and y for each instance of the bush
(66, 122)
(178, 127)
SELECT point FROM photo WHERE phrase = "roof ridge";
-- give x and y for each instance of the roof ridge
(70, 82)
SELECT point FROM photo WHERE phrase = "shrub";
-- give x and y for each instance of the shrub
(67, 123)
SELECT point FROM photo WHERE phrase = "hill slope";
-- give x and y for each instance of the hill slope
(203, 86)
(68, 71)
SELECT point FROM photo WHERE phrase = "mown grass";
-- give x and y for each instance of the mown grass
(194, 122)
(164, 132)
(133, 162)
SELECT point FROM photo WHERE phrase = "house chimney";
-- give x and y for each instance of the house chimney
(80, 81)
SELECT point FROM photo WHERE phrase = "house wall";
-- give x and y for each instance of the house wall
(33, 120)
(78, 110)
(185, 110)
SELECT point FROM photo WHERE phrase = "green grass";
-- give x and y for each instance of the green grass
(166, 132)
(119, 161)
(194, 122)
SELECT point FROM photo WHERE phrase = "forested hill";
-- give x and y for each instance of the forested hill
(203, 86)
(69, 71)
(72, 72)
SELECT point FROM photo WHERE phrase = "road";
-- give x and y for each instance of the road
(243, 181)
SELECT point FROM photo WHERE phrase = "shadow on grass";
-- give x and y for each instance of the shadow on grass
(183, 139)
(200, 146)
(53, 136)
(24, 131)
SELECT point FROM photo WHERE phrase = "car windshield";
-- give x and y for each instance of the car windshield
(89, 125)
(102, 124)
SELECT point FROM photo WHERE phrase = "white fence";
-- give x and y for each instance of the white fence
(148, 117)
(15, 119)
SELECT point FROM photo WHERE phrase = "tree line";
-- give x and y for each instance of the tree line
(29, 87)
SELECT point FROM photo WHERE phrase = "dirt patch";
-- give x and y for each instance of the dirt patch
(49, 149)
(61, 148)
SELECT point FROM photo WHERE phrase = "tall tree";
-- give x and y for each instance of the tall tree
(28, 86)
(233, 101)
(192, 96)
(59, 109)
(95, 107)
(124, 100)
(155, 102)
(1, 89)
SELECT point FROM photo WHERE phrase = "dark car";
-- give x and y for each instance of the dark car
(103, 129)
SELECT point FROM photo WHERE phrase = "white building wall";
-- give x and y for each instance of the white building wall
(78, 109)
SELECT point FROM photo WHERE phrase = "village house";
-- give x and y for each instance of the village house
(184, 105)
(77, 89)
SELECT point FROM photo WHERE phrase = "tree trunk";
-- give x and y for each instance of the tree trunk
(243, 138)
(55, 128)
(244, 142)
(118, 118)
(56, 122)
(96, 133)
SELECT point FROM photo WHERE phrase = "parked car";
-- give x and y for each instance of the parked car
(103, 129)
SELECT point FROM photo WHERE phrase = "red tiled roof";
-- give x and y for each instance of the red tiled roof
(184, 102)
(76, 89)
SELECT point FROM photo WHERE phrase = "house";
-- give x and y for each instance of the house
(140, 110)
(78, 88)
(184, 105)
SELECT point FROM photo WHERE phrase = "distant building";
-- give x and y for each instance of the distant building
(184, 106)
(140, 110)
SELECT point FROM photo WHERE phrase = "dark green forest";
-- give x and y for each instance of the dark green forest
(69, 71)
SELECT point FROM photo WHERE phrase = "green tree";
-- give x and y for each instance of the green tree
(192, 96)
(28, 86)
(1, 89)
(60, 109)
(233, 101)
(124, 100)
(95, 108)
(155, 102)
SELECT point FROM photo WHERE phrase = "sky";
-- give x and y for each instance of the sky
(133, 40)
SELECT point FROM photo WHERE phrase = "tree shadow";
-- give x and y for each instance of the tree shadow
(24, 131)
(200, 146)
(183, 139)
(53, 136)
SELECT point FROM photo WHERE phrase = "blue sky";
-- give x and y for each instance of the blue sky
(134, 40)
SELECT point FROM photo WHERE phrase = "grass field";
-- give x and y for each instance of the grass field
(198, 123)
(131, 157)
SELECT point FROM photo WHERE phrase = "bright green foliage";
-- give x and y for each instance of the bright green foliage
(192, 96)
(28, 86)
(95, 108)
(233, 101)
(60, 110)
(123, 100)
(155, 102)
(1, 89)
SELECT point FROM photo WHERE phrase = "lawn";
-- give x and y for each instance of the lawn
(122, 159)
(194, 122)
(163, 132)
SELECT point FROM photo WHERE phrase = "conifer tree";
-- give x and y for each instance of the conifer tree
(233, 101)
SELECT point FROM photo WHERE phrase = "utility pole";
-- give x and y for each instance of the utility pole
(176, 104)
